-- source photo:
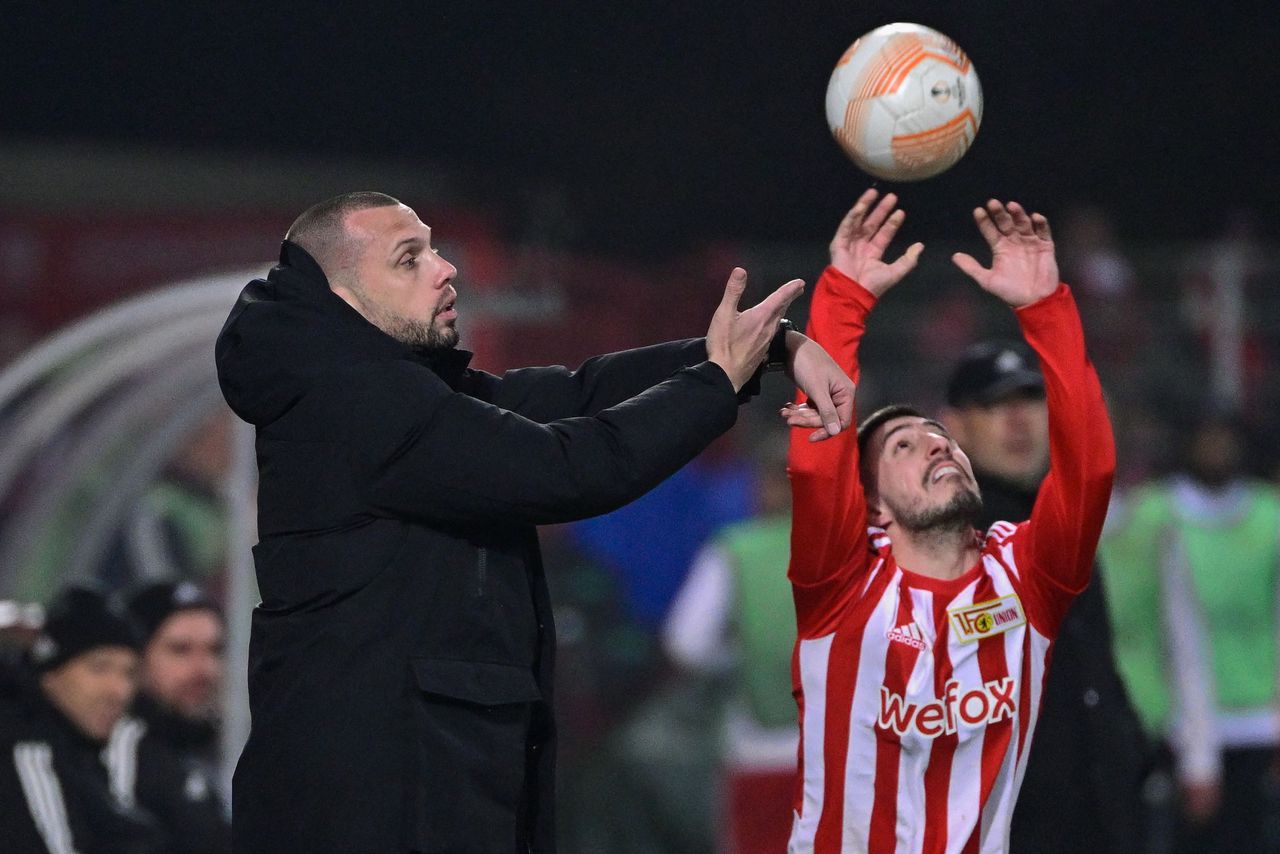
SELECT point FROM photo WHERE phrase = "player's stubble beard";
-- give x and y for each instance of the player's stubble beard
(958, 514)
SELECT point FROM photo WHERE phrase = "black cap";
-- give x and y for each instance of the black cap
(153, 604)
(77, 620)
(992, 371)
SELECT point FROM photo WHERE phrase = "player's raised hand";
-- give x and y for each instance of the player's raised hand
(738, 341)
(1023, 266)
(864, 234)
(804, 416)
(827, 387)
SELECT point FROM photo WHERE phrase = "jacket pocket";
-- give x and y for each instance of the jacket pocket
(485, 683)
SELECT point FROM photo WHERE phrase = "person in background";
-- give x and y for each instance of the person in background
(1081, 792)
(732, 623)
(1205, 545)
(169, 745)
(79, 676)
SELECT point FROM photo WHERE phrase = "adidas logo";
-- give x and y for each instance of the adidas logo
(908, 633)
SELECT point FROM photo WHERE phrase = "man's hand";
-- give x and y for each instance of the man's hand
(739, 341)
(829, 389)
(1023, 266)
(864, 234)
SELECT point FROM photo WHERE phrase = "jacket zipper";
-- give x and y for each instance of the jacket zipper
(482, 570)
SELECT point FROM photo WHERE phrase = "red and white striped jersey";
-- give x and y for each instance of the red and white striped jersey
(918, 696)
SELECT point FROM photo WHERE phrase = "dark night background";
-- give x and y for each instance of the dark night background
(669, 124)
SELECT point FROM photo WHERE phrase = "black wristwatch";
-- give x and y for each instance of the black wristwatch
(778, 346)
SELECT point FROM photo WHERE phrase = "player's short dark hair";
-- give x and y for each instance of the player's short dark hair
(329, 214)
(873, 421)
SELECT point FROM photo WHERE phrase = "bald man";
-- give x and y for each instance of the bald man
(401, 660)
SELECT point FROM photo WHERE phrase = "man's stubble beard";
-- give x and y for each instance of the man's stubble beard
(960, 513)
(406, 330)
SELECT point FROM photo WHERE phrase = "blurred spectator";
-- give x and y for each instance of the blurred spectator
(651, 541)
(176, 528)
(1091, 257)
(604, 659)
(1199, 554)
(1105, 284)
(732, 621)
(179, 528)
(55, 792)
(169, 746)
(1218, 300)
(1081, 789)
(606, 669)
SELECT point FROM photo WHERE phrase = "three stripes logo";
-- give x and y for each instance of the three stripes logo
(908, 633)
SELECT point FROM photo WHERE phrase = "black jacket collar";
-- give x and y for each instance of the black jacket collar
(290, 329)
(312, 284)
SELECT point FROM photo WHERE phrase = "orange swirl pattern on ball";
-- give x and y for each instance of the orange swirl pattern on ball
(943, 145)
(875, 80)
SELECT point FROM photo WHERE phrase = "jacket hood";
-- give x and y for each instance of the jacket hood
(289, 329)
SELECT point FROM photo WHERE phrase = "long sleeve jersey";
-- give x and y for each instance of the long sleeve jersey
(918, 696)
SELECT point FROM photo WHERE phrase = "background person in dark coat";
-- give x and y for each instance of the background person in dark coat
(401, 659)
(1081, 789)
(168, 745)
(56, 795)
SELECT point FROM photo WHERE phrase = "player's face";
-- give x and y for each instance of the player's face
(94, 689)
(1008, 439)
(404, 287)
(182, 664)
(922, 477)
(1216, 451)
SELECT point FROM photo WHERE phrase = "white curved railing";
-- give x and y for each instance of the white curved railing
(116, 394)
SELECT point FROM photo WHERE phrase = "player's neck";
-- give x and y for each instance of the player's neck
(938, 553)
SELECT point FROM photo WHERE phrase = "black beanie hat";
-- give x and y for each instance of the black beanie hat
(77, 620)
(151, 605)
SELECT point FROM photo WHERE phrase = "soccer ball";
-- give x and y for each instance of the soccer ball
(904, 102)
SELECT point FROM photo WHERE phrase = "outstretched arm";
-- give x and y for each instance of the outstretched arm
(552, 393)
(828, 540)
(1067, 518)
(546, 394)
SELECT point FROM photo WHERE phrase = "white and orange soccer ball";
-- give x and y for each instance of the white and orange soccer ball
(904, 102)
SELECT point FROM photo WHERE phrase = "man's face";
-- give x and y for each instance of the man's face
(94, 689)
(1215, 455)
(182, 664)
(923, 480)
(400, 284)
(1008, 439)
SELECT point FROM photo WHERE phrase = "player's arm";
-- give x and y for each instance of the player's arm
(1072, 504)
(828, 540)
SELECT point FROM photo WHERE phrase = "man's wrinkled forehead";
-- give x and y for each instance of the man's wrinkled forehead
(910, 422)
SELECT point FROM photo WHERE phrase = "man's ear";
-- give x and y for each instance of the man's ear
(877, 513)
